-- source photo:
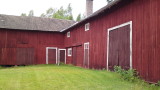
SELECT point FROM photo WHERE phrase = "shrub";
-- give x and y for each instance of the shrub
(158, 83)
(129, 75)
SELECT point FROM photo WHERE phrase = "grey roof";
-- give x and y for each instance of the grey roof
(102, 10)
(33, 23)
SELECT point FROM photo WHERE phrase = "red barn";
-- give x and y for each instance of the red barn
(123, 33)
(31, 40)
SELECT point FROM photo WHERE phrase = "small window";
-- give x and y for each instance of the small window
(69, 51)
(87, 26)
(86, 45)
(68, 34)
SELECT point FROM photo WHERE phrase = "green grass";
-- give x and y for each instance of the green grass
(52, 77)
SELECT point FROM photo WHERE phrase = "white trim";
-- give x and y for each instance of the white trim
(84, 53)
(87, 26)
(68, 52)
(59, 55)
(47, 53)
(114, 28)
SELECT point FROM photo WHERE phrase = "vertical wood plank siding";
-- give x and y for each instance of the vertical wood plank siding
(31, 43)
(145, 16)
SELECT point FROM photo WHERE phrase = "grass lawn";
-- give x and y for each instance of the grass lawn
(52, 77)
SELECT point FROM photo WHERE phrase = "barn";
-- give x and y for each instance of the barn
(123, 33)
(31, 40)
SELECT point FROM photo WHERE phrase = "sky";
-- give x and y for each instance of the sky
(17, 7)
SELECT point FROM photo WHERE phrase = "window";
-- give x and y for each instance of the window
(68, 34)
(69, 51)
(86, 45)
(87, 26)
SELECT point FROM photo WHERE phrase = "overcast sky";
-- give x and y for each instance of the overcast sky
(16, 7)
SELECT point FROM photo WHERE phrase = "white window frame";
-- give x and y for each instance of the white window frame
(87, 43)
(47, 53)
(68, 34)
(69, 49)
(87, 26)
(59, 55)
(115, 28)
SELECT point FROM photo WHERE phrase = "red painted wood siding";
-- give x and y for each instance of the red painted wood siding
(12, 40)
(145, 40)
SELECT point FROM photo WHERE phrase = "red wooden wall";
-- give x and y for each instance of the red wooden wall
(145, 16)
(21, 47)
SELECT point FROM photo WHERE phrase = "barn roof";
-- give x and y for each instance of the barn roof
(33, 23)
(100, 11)
(46, 24)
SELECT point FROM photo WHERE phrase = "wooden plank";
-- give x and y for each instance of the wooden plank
(74, 56)
(62, 56)
(52, 56)
(25, 56)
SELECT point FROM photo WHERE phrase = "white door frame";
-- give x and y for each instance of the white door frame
(114, 28)
(88, 53)
(47, 53)
(59, 55)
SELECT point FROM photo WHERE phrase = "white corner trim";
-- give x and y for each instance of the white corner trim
(114, 28)
(59, 55)
(47, 53)
(87, 43)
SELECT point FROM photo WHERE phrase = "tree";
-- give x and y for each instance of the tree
(61, 13)
(23, 14)
(78, 17)
(49, 13)
(64, 13)
(43, 15)
(109, 1)
(31, 13)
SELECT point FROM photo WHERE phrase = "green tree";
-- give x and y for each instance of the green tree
(64, 13)
(43, 15)
(23, 14)
(79, 17)
(61, 13)
(49, 13)
(31, 13)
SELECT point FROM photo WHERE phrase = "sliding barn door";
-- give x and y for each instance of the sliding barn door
(119, 48)
(86, 55)
(25, 56)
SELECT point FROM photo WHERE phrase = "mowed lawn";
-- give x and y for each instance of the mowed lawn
(64, 77)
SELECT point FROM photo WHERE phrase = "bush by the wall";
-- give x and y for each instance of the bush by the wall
(129, 75)
(158, 83)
